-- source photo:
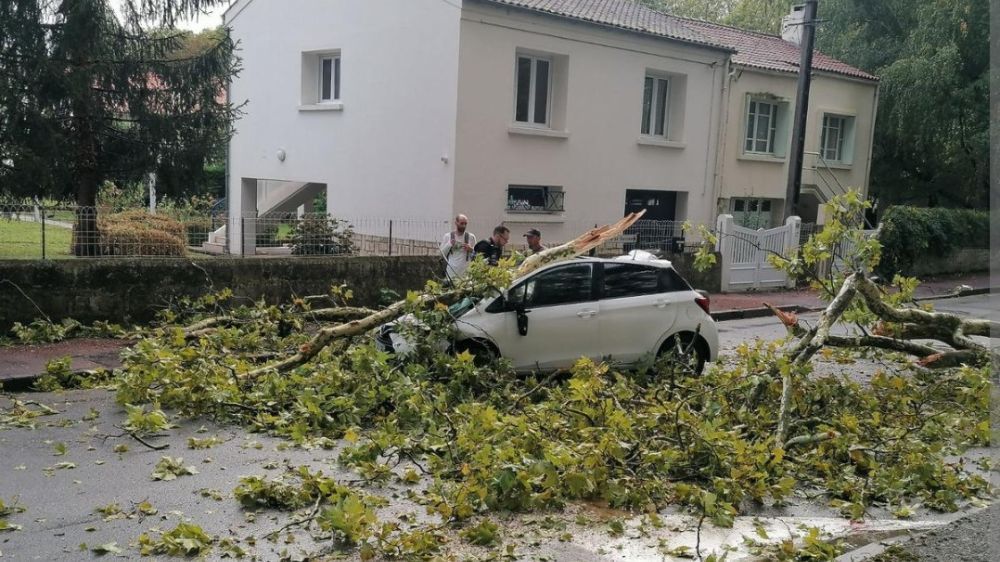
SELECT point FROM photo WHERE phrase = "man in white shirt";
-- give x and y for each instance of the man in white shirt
(456, 248)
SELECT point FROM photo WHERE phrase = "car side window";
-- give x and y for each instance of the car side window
(563, 285)
(630, 280)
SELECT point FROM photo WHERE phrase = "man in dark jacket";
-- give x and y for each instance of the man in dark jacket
(492, 248)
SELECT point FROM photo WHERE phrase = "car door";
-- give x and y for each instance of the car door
(562, 312)
(638, 305)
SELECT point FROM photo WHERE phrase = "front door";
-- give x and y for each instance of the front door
(659, 205)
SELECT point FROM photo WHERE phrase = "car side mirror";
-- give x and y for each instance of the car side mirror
(522, 319)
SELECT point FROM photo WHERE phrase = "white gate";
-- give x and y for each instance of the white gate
(744, 254)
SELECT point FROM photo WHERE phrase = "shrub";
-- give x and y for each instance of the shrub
(909, 234)
(137, 233)
(320, 235)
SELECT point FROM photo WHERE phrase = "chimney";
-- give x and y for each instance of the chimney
(791, 25)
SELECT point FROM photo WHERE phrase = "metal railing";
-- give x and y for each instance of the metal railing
(67, 232)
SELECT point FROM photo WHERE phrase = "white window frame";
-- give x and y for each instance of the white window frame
(754, 118)
(334, 83)
(660, 90)
(840, 130)
(532, 83)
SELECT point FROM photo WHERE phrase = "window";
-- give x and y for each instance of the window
(655, 94)
(836, 139)
(627, 280)
(564, 285)
(532, 90)
(320, 81)
(630, 280)
(329, 78)
(534, 198)
(752, 213)
(762, 122)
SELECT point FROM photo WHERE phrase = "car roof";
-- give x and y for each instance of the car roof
(665, 264)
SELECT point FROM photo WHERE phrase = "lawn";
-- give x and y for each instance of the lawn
(23, 240)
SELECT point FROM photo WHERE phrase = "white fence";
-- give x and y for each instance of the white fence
(744, 254)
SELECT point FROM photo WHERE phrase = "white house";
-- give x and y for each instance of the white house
(556, 115)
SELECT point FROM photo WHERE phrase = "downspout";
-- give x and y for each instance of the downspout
(871, 142)
(721, 136)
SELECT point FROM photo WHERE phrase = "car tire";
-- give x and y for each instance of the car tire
(483, 354)
(692, 350)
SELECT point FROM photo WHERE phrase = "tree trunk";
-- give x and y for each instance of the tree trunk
(86, 238)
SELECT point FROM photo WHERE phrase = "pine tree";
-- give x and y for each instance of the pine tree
(87, 95)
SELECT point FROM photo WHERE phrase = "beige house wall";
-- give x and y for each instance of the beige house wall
(593, 148)
(766, 177)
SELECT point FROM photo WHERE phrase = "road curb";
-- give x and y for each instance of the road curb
(745, 313)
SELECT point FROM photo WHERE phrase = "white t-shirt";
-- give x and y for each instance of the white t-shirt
(455, 254)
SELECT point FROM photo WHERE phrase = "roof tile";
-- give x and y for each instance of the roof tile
(751, 48)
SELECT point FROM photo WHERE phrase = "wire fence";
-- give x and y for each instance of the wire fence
(68, 231)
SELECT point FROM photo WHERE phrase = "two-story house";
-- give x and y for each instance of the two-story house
(760, 100)
(557, 115)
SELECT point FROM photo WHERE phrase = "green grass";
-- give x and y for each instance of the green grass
(23, 240)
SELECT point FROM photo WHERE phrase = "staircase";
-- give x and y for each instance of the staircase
(273, 198)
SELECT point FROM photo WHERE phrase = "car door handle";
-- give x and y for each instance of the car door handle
(660, 303)
(586, 313)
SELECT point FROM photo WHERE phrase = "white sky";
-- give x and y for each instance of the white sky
(211, 19)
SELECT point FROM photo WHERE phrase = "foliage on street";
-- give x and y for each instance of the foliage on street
(484, 441)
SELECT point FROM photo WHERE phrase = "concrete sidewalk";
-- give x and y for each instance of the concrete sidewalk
(21, 364)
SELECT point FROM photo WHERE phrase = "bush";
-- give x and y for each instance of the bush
(137, 233)
(909, 234)
(319, 235)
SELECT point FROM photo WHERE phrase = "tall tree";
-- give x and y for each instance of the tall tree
(86, 96)
(931, 141)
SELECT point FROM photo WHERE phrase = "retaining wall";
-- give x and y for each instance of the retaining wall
(132, 290)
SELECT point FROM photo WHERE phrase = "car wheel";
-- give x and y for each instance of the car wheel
(686, 350)
(483, 354)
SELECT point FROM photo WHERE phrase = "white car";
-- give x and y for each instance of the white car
(618, 310)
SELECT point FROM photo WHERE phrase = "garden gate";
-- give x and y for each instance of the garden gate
(744, 254)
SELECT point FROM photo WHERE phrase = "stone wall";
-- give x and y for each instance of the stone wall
(132, 290)
(126, 290)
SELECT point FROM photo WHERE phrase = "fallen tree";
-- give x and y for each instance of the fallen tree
(758, 426)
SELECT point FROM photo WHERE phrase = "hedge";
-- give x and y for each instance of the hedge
(138, 233)
(909, 234)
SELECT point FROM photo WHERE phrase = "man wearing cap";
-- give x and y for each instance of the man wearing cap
(534, 239)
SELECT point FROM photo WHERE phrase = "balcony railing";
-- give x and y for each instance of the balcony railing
(535, 201)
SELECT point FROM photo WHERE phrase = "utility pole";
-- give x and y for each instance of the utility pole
(801, 109)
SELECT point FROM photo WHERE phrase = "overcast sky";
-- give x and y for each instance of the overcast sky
(211, 19)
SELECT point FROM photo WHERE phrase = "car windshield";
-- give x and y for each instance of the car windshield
(461, 307)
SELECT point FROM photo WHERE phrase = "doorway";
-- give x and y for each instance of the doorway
(659, 205)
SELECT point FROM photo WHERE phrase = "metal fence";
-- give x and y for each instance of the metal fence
(67, 231)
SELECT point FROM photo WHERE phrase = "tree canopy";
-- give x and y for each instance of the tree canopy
(88, 96)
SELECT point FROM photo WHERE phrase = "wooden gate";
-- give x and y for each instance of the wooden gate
(744, 254)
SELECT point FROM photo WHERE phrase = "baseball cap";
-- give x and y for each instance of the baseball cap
(533, 232)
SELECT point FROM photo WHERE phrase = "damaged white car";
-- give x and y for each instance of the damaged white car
(620, 310)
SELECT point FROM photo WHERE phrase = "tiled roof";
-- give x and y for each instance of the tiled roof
(623, 14)
(751, 48)
(770, 52)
